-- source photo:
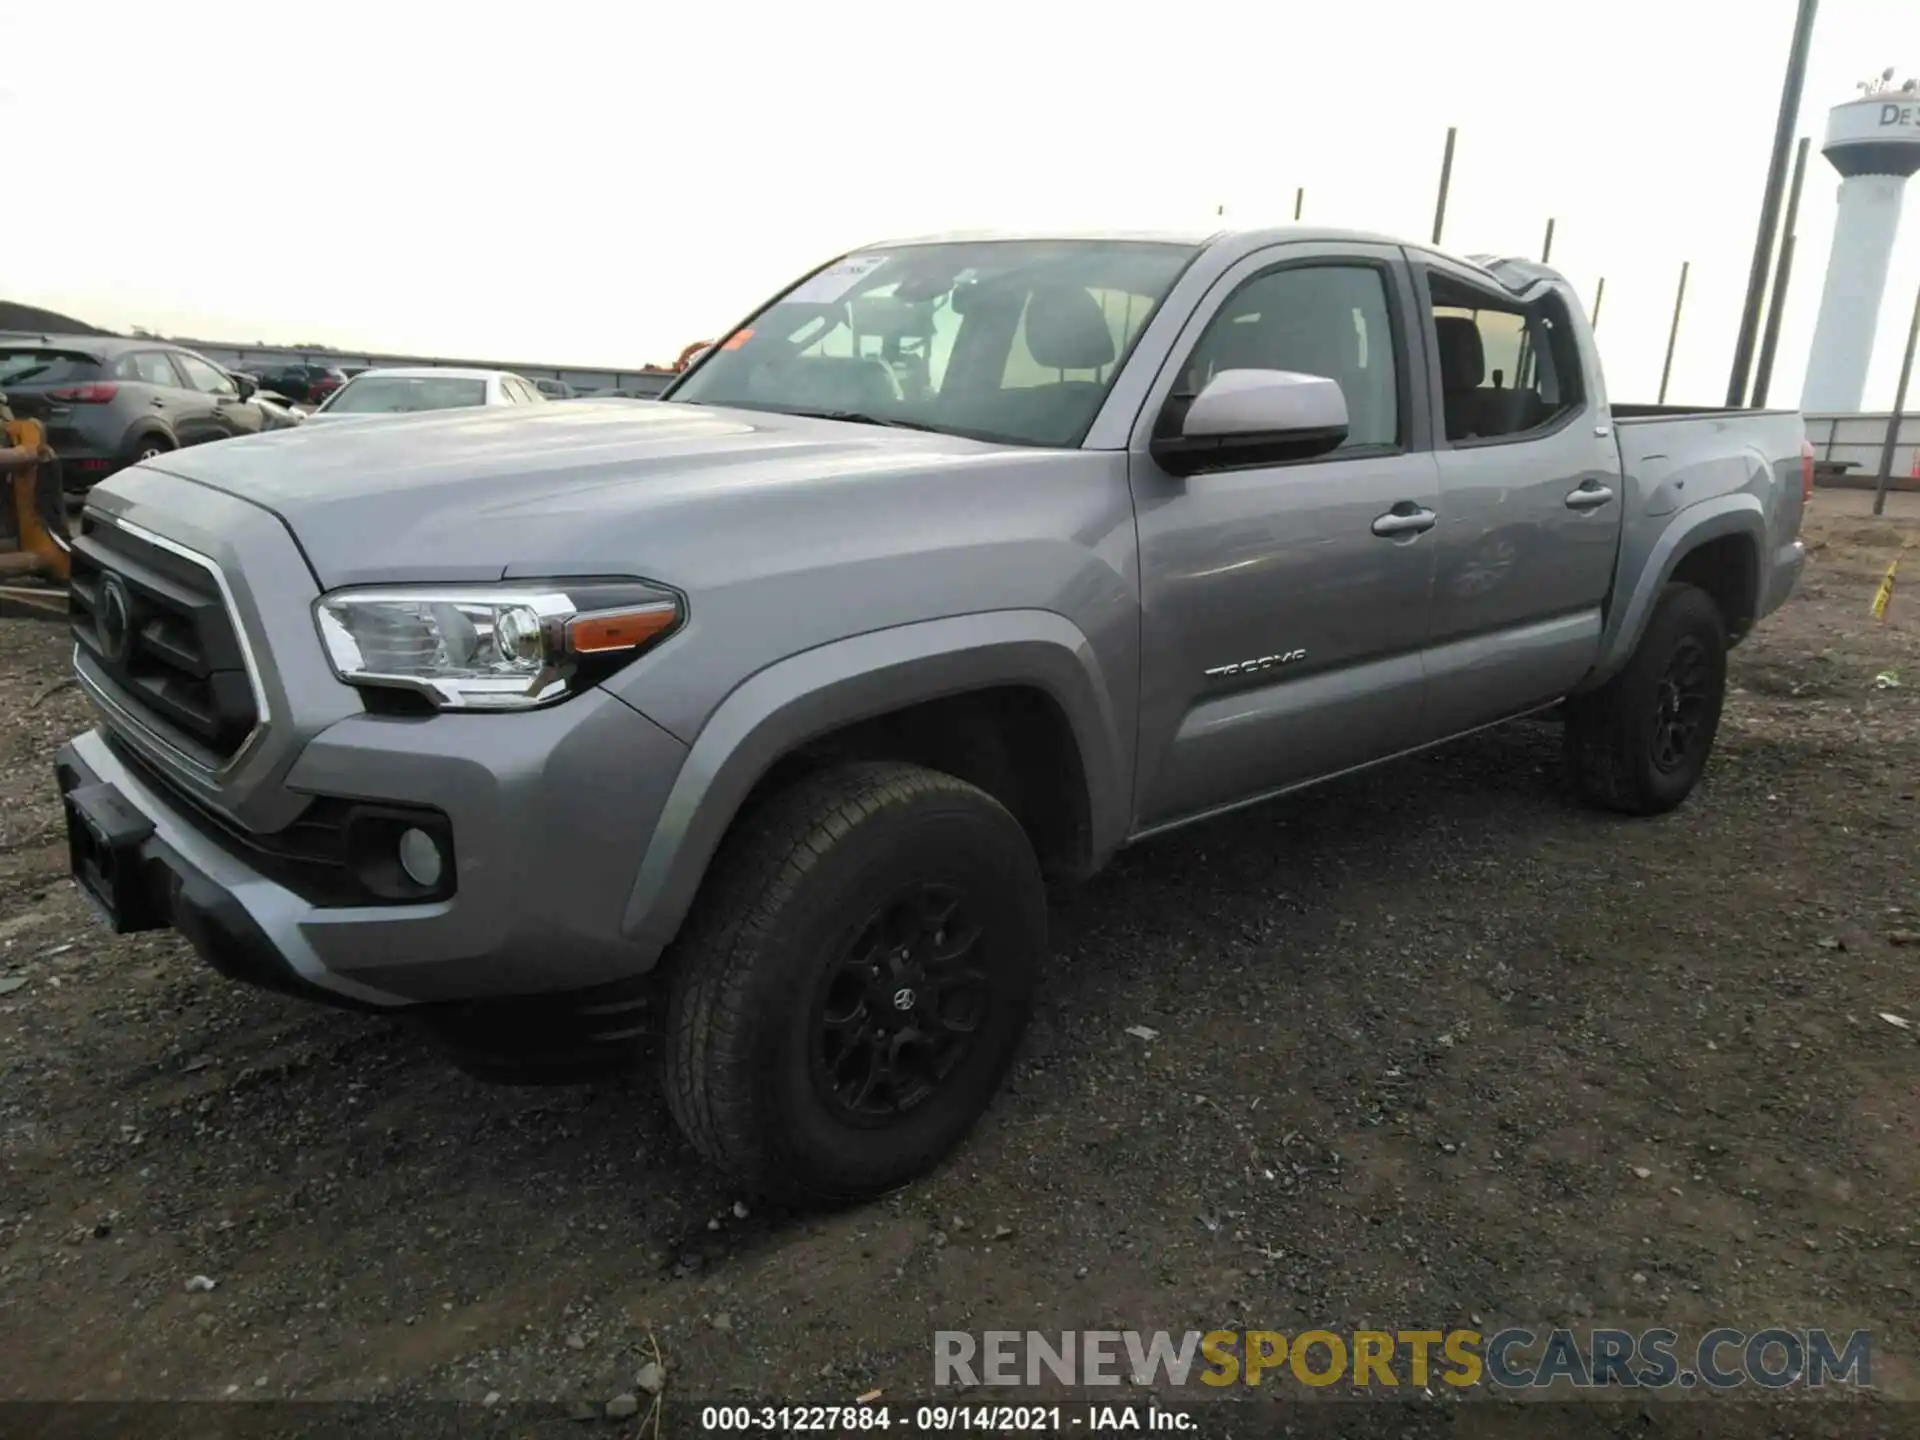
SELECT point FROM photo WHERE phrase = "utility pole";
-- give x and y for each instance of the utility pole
(1885, 481)
(1783, 124)
(1446, 181)
(1782, 274)
(1673, 332)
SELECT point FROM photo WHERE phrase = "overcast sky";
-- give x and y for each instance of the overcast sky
(603, 183)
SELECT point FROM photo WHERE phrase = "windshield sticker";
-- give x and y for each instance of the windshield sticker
(836, 280)
(737, 339)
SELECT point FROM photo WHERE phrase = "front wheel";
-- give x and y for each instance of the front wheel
(854, 981)
(1640, 742)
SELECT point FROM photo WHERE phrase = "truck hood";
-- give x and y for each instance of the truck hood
(551, 490)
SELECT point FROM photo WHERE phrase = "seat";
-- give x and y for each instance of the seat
(1065, 330)
(1463, 365)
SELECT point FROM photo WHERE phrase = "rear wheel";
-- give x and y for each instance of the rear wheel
(1640, 743)
(147, 446)
(854, 981)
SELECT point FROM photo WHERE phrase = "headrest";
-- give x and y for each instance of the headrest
(1463, 360)
(1067, 329)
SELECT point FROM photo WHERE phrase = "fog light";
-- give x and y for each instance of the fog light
(421, 858)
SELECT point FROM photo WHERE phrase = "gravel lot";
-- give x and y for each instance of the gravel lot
(1434, 1046)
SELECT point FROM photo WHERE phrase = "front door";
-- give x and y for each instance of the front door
(1285, 606)
(228, 414)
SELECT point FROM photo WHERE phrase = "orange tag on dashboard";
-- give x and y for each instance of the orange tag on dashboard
(737, 339)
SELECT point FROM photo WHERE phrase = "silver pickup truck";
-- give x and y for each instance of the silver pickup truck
(966, 560)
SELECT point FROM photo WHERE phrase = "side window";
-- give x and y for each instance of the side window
(151, 366)
(203, 377)
(1329, 320)
(1507, 369)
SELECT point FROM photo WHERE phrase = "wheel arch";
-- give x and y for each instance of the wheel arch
(854, 687)
(1716, 545)
(146, 426)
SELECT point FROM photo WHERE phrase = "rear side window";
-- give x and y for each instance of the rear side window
(401, 394)
(1508, 369)
(149, 366)
(38, 366)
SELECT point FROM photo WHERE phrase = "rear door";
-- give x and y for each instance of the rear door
(1530, 500)
(156, 395)
(1284, 606)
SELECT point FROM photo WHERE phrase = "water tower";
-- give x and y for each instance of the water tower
(1874, 142)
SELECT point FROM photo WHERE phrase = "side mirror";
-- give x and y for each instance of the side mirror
(245, 386)
(1252, 417)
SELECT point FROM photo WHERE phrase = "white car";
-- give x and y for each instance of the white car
(411, 391)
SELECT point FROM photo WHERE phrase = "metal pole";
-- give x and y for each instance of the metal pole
(1770, 202)
(1673, 333)
(1782, 274)
(1770, 341)
(1763, 377)
(1299, 199)
(1893, 423)
(1446, 180)
(1599, 294)
(1546, 246)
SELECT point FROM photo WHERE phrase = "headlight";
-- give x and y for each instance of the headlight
(493, 647)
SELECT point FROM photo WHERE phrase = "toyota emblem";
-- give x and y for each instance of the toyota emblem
(114, 620)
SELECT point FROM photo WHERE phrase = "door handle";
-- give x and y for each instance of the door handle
(1406, 518)
(158, 403)
(1590, 496)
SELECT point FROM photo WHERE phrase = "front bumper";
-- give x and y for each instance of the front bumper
(550, 812)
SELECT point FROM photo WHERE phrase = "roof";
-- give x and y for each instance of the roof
(433, 372)
(86, 344)
(1514, 274)
(1194, 238)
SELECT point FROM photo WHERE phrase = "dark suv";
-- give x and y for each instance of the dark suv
(107, 402)
(309, 384)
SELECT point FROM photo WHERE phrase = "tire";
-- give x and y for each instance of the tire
(147, 445)
(1640, 742)
(771, 1022)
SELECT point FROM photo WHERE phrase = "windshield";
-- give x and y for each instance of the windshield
(27, 366)
(404, 394)
(1009, 340)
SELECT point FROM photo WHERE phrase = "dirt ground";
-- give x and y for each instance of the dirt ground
(1435, 1047)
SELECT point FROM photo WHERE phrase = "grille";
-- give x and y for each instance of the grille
(334, 854)
(308, 857)
(156, 629)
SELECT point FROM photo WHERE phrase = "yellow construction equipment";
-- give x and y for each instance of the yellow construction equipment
(33, 528)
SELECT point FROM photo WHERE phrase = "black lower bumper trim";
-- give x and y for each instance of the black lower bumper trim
(139, 882)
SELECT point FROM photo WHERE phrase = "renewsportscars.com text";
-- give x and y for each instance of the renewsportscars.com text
(1513, 1358)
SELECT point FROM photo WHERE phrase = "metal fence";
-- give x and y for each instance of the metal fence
(585, 379)
(1855, 440)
